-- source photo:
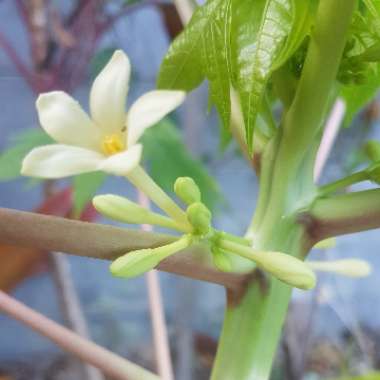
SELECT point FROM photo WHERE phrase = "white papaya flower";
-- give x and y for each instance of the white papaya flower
(107, 141)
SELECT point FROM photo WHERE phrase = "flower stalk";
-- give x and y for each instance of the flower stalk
(142, 181)
(286, 268)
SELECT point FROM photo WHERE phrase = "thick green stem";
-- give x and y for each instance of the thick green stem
(306, 115)
(251, 332)
(252, 326)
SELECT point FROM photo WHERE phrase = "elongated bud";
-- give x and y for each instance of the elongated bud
(123, 210)
(326, 244)
(374, 173)
(347, 267)
(200, 218)
(187, 190)
(221, 260)
(287, 269)
(120, 209)
(135, 263)
(138, 262)
(372, 149)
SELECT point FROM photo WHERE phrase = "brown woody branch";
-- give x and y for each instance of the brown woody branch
(107, 242)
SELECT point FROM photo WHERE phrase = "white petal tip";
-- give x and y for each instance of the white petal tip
(120, 57)
(46, 97)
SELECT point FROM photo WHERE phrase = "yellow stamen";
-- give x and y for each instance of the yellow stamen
(112, 144)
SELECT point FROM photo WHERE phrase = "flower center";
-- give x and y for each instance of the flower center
(112, 144)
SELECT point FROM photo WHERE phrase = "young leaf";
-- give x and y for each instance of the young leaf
(202, 51)
(282, 28)
(364, 36)
(168, 158)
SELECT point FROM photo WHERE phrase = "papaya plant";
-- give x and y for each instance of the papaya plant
(258, 56)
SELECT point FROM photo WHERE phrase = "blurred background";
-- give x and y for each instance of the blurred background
(332, 332)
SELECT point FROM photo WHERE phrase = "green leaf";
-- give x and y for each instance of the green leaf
(168, 158)
(363, 39)
(202, 51)
(84, 188)
(357, 96)
(239, 43)
(283, 26)
(20, 145)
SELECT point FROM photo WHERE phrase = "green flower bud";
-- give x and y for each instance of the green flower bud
(123, 210)
(187, 190)
(199, 217)
(135, 263)
(346, 267)
(287, 268)
(138, 262)
(221, 260)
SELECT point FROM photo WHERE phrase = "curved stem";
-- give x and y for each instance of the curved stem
(343, 183)
(252, 326)
(143, 182)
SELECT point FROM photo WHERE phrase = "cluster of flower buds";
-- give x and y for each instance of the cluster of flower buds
(222, 245)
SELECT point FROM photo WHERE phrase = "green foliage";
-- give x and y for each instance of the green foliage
(20, 144)
(168, 158)
(203, 51)
(357, 96)
(281, 29)
(360, 67)
(238, 43)
(84, 188)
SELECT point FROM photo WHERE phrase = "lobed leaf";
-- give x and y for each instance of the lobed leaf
(202, 51)
(365, 40)
(238, 43)
(255, 68)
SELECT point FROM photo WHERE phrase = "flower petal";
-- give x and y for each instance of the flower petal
(149, 109)
(109, 94)
(57, 161)
(65, 121)
(122, 163)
